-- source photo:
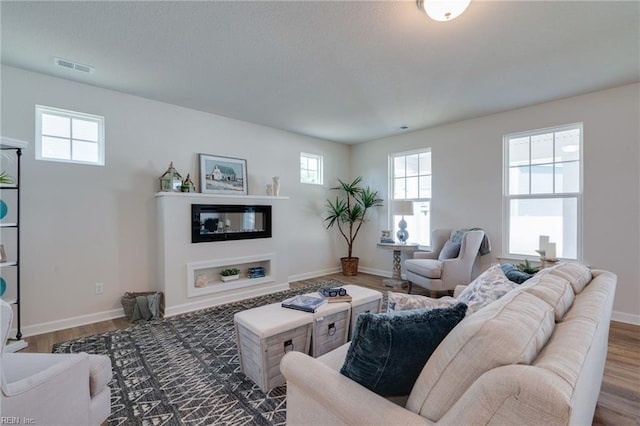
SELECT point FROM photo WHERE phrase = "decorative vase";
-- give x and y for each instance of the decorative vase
(269, 189)
(276, 185)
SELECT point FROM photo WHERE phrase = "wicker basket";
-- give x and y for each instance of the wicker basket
(129, 302)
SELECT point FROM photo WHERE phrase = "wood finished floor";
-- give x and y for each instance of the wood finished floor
(618, 404)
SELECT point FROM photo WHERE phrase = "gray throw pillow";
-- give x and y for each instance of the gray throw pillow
(389, 350)
(450, 250)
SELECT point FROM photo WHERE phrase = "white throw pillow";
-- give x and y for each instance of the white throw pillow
(490, 286)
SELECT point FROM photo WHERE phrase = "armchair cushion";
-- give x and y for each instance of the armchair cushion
(430, 268)
(451, 250)
(388, 351)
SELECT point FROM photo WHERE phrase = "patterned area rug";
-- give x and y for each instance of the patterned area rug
(184, 370)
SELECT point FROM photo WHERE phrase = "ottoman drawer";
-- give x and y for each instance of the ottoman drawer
(330, 331)
(260, 357)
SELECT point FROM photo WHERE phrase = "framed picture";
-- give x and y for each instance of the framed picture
(3, 255)
(223, 175)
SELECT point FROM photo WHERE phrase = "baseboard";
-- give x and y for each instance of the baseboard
(378, 272)
(63, 324)
(222, 299)
(315, 274)
(626, 318)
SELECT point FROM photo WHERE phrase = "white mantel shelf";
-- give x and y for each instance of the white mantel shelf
(201, 195)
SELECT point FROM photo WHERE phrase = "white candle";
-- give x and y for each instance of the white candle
(544, 241)
(550, 252)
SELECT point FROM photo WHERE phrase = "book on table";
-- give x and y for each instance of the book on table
(304, 303)
(333, 295)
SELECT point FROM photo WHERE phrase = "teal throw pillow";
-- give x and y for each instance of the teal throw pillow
(389, 350)
(514, 274)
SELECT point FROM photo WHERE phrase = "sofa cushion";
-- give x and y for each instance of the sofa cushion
(577, 274)
(389, 350)
(488, 287)
(554, 290)
(406, 302)
(430, 268)
(515, 274)
(450, 250)
(510, 331)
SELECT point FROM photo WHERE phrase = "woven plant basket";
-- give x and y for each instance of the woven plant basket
(349, 266)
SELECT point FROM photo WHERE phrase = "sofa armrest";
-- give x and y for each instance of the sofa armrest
(459, 289)
(318, 395)
(513, 394)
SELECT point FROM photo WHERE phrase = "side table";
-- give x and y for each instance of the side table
(396, 279)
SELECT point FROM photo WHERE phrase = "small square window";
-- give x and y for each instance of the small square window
(311, 168)
(69, 136)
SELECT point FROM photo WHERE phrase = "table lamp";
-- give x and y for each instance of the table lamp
(402, 208)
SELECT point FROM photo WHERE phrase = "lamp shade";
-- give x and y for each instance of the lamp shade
(403, 207)
(443, 10)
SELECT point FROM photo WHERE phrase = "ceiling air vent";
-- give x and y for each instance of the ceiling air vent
(65, 63)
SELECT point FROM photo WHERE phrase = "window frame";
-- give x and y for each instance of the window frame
(99, 120)
(507, 198)
(391, 196)
(320, 173)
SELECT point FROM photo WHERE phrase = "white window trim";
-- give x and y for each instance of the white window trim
(320, 159)
(506, 197)
(390, 174)
(41, 109)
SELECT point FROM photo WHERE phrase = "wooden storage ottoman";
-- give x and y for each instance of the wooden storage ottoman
(264, 334)
(363, 300)
(330, 327)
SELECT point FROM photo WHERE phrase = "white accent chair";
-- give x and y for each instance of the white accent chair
(428, 271)
(53, 389)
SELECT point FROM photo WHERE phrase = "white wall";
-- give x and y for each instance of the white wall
(85, 224)
(467, 179)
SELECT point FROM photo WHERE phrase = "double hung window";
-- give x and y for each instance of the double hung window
(543, 190)
(410, 175)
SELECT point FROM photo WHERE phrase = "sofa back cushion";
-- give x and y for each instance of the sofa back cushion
(511, 330)
(577, 274)
(554, 290)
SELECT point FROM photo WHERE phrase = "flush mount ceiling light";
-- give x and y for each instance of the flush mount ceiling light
(443, 10)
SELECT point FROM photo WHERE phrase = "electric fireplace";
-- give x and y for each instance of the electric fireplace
(215, 222)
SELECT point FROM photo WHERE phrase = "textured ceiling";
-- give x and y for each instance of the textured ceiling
(338, 70)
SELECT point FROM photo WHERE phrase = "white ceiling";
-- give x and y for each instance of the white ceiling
(347, 71)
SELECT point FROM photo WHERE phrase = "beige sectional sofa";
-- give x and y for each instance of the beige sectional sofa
(534, 357)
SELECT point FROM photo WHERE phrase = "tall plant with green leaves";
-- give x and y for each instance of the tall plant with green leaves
(349, 211)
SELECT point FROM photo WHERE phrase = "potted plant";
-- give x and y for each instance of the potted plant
(349, 212)
(527, 267)
(230, 274)
(5, 178)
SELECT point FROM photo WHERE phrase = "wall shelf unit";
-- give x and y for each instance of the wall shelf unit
(11, 153)
(204, 277)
